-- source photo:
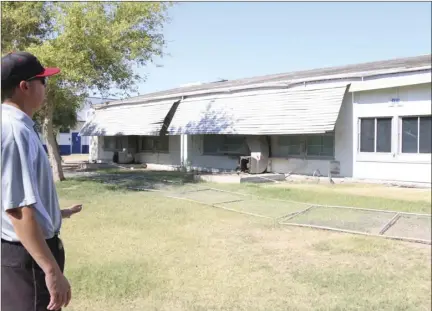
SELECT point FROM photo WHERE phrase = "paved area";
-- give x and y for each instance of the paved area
(75, 158)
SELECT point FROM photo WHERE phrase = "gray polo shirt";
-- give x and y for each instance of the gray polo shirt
(26, 174)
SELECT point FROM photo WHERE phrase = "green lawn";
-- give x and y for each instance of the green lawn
(140, 251)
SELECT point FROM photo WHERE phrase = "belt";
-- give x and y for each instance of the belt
(55, 237)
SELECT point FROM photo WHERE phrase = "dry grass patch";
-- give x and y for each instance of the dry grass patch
(369, 190)
(140, 251)
(337, 195)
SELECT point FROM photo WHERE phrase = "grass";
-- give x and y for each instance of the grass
(335, 195)
(140, 251)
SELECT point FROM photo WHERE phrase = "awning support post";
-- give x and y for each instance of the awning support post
(184, 152)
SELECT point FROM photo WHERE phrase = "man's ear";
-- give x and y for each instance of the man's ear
(23, 86)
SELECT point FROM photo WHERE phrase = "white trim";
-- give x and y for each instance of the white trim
(390, 82)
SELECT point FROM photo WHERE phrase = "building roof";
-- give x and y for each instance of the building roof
(308, 110)
(339, 72)
(122, 121)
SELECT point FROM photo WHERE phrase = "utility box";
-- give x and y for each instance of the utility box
(259, 154)
(334, 168)
(124, 157)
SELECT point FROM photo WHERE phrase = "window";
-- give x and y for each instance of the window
(307, 145)
(155, 144)
(64, 130)
(114, 143)
(291, 145)
(416, 134)
(225, 144)
(320, 145)
(375, 135)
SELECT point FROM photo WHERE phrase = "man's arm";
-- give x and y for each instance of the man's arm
(30, 235)
(19, 194)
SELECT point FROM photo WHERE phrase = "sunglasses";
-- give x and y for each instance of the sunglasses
(43, 80)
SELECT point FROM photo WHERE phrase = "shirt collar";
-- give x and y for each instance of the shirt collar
(17, 114)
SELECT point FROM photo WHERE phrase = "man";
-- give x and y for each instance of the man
(32, 254)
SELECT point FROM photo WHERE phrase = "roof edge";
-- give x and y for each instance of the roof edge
(280, 84)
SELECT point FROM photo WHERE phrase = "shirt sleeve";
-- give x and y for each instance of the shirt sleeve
(17, 173)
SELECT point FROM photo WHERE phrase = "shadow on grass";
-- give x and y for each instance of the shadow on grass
(118, 180)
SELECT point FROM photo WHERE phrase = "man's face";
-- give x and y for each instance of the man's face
(33, 92)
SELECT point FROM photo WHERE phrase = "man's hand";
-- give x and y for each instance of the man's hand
(59, 289)
(68, 212)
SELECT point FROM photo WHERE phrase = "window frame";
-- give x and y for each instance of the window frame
(304, 143)
(359, 132)
(321, 136)
(400, 135)
(223, 152)
(154, 140)
(118, 140)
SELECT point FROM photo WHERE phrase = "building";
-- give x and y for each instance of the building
(69, 141)
(365, 121)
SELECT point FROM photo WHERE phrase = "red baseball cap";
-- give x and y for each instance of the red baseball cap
(22, 66)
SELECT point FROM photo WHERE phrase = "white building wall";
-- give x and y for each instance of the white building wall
(415, 100)
(64, 140)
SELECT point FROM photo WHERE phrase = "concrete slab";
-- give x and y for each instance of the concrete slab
(219, 178)
(241, 178)
(262, 178)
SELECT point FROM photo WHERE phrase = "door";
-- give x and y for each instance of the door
(76, 143)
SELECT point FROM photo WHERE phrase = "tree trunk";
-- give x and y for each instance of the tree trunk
(53, 152)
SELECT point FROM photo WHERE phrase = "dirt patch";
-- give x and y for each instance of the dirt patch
(416, 227)
(345, 219)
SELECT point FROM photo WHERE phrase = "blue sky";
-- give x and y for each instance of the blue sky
(212, 40)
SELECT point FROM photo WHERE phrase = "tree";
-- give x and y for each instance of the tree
(96, 45)
(23, 24)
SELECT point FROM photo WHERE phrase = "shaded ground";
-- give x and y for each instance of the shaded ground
(136, 180)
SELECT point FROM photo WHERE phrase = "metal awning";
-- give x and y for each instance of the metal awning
(141, 119)
(308, 110)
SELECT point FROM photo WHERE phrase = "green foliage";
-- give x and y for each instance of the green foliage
(23, 24)
(67, 102)
(96, 44)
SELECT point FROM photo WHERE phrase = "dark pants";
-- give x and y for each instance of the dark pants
(23, 285)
